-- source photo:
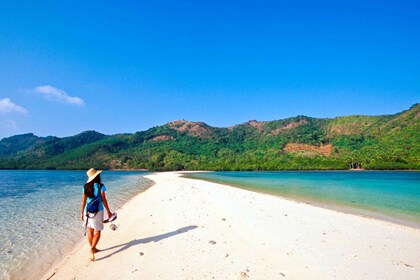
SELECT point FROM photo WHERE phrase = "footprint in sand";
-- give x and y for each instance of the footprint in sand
(244, 274)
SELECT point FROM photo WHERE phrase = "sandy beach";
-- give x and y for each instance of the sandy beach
(190, 229)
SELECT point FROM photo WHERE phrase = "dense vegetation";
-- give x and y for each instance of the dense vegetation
(299, 143)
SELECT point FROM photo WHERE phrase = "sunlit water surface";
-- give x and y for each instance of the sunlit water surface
(391, 195)
(39, 214)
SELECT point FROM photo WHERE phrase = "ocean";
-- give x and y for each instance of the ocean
(389, 195)
(40, 218)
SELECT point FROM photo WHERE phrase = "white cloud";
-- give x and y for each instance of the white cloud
(60, 95)
(7, 106)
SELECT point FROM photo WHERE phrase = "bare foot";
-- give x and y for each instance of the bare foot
(92, 255)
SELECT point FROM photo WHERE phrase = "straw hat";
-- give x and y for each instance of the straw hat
(92, 173)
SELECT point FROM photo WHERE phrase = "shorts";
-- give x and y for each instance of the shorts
(97, 222)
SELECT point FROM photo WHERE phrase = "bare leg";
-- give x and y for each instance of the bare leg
(95, 240)
(90, 236)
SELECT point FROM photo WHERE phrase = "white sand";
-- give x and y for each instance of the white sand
(190, 229)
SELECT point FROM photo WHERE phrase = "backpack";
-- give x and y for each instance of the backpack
(93, 206)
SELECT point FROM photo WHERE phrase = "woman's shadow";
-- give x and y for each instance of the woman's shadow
(135, 242)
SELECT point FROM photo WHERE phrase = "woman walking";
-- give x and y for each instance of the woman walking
(94, 188)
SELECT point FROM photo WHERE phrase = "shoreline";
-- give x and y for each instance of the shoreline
(346, 209)
(53, 254)
(202, 230)
(51, 271)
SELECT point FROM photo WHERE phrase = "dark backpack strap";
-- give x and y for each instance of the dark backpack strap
(87, 214)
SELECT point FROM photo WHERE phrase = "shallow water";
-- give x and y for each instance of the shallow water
(393, 195)
(40, 218)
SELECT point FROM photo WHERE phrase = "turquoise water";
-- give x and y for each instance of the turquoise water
(40, 218)
(393, 195)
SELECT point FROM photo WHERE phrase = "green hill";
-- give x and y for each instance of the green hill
(297, 143)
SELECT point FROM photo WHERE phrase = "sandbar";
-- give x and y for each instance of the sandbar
(184, 228)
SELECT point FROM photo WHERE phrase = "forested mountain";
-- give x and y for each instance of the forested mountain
(297, 143)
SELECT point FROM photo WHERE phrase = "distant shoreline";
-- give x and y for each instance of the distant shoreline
(215, 170)
(296, 143)
(335, 207)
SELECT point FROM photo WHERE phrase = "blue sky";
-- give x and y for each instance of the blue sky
(122, 67)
